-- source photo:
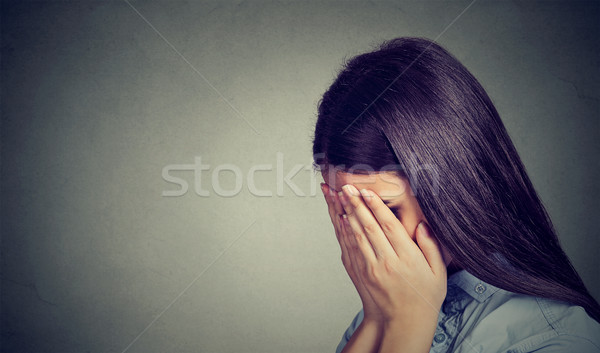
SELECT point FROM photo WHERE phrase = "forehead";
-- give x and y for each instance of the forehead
(384, 184)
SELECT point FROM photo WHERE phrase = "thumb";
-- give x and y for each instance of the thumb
(430, 247)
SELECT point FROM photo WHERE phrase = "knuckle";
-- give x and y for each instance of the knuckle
(373, 274)
(370, 227)
(365, 272)
(345, 261)
(389, 267)
(388, 226)
(359, 238)
(410, 261)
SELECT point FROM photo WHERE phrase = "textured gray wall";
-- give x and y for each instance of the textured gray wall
(96, 103)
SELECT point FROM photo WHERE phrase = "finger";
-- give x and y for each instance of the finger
(331, 208)
(395, 232)
(344, 245)
(431, 249)
(356, 268)
(360, 242)
(348, 253)
(354, 252)
(330, 202)
(345, 252)
(337, 205)
(362, 221)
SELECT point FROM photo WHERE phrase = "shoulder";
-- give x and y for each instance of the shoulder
(573, 329)
(515, 323)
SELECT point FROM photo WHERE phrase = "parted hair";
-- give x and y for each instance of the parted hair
(411, 104)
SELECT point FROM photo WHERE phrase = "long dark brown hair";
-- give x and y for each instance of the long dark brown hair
(410, 103)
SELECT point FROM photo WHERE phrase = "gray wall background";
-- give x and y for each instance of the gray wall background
(95, 103)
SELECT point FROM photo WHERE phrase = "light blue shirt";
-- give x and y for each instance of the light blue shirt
(478, 317)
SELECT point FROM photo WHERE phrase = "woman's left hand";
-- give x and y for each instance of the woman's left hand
(407, 280)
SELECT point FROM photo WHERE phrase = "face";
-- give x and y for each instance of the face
(393, 189)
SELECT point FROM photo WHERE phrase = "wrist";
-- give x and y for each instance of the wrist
(416, 324)
(372, 321)
(412, 325)
(411, 316)
(376, 319)
(421, 327)
(407, 335)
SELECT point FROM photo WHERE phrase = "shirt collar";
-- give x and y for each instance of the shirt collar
(472, 285)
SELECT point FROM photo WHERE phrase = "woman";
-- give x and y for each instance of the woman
(441, 231)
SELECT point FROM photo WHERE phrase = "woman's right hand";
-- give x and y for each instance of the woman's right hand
(336, 211)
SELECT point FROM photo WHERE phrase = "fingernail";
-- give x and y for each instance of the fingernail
(323, 188)
(421, 228)
(345, 220)
(342, 198)
(365, 193)
(351, 190)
